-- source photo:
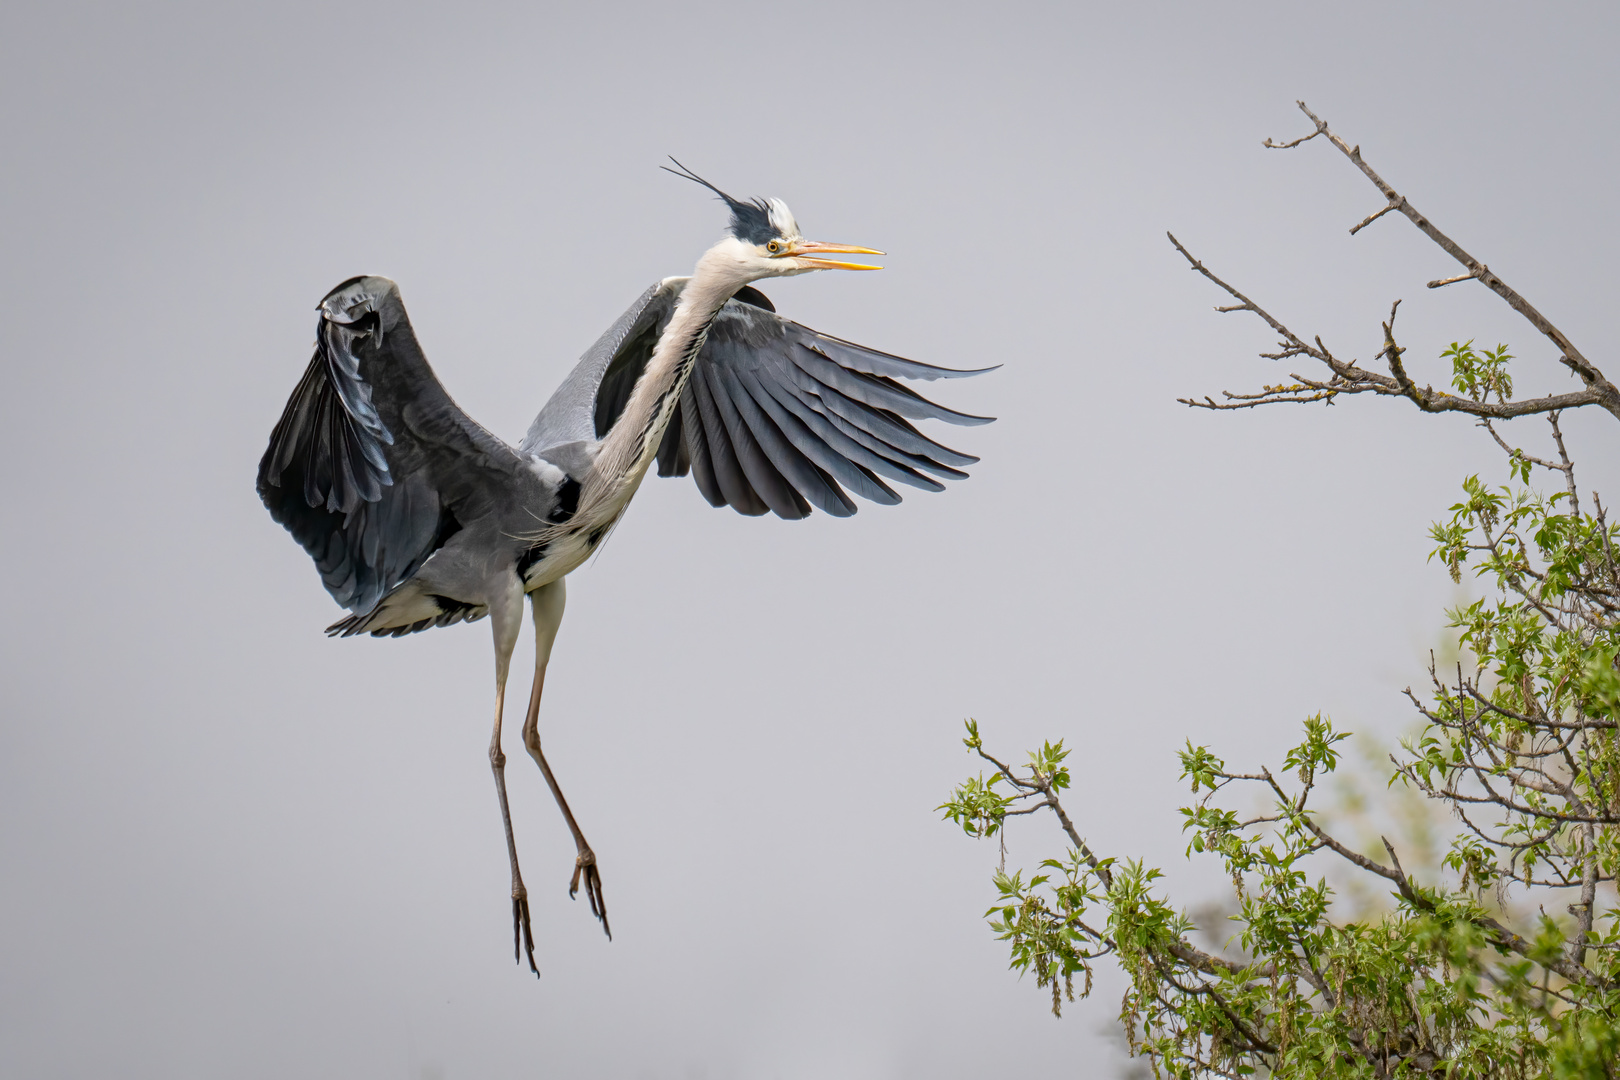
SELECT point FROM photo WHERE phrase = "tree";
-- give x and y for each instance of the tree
(1506, 963)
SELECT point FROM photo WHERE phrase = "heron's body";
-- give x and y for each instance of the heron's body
(417, 517)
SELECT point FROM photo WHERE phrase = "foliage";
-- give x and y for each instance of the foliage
(1507, 962)
(1506, 965)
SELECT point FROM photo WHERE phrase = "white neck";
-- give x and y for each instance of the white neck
(631, 444)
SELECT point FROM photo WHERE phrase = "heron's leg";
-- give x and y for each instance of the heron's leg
(548, 602)
(506, 618)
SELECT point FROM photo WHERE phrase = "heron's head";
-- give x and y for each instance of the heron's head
(765, 240)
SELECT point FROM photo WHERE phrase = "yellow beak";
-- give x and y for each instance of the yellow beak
(806, 247)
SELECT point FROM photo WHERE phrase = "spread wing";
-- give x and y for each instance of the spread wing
(372, 466)
(776, 416)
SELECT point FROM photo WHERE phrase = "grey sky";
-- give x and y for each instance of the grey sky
(231, 847)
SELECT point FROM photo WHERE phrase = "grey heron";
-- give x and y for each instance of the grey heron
(418, 517)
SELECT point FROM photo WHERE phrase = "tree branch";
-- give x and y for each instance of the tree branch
(1607, 395)
(1349, 378)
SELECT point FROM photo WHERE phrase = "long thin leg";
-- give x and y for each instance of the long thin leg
(506, 613)
(548, 602)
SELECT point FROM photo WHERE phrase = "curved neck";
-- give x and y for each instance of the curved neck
(628, 449)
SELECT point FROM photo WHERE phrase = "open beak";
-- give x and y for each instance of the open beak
(816, 247)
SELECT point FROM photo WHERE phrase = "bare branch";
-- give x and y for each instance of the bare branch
(1350, 378)
(1568, 466)
(1442, 282)
(1392, 353)
(1320, 128)
(1370, 218)
(1608, 395)
(1513, 451)
(1245, 304)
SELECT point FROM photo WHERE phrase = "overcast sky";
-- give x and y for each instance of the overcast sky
(232, 847)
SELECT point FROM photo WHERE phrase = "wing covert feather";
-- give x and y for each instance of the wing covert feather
(372, 465)
(780, 417)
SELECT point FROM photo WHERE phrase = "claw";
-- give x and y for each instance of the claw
(586, 864)
(522, 931)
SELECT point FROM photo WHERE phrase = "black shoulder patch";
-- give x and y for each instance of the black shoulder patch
(567, 501)
(527, 560)
(752, 296)
(455, 609)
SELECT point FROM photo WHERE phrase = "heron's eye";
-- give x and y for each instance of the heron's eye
(774, 246)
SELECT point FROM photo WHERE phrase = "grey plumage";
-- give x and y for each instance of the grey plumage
(416, 517)
(775, 416)
(374, 469)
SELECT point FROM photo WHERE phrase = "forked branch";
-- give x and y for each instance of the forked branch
(1348, 377)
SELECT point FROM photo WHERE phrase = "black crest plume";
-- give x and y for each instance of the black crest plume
(750, 221)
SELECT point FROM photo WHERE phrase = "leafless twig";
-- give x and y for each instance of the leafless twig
(1347, 377)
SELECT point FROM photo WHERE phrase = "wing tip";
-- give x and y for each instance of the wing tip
(963, 373)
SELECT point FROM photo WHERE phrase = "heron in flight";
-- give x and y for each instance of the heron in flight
(417, 517)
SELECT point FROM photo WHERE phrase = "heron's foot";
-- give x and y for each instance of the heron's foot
(585, 866)
(522, 935)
